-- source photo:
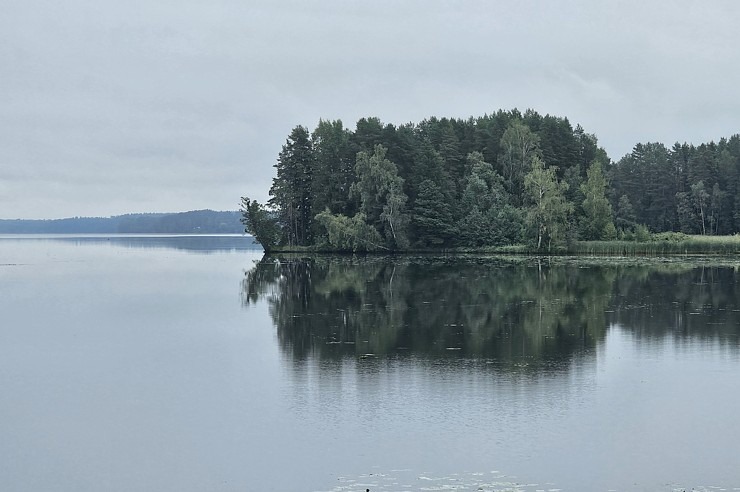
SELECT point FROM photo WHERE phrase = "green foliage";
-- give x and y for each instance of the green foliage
(548, 210)
(350, 234)
(610, 232)
(430, 165)
(625, 219)
(596, 222)
(718, 204)
(687, 218)
(487, 218)
(664, 187)
(642, 233)
(518, 148)
(260, 223)
(291, 188)
(432, 219)
(382, 200)
(671, 237)
(333, 167)
(648, 178)
(529, 176)
(700, 199)
(662, 244)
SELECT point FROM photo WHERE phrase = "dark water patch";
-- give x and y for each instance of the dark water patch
(527, 312)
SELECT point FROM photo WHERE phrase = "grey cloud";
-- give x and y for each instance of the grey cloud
(115, 107)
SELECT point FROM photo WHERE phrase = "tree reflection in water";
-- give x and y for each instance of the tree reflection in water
(529, 313)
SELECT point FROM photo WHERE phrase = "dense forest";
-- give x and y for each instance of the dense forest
(501, 179)
(193, 222)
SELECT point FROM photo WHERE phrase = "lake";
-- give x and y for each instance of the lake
(193, 363)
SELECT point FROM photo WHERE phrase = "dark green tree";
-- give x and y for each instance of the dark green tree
(368, 133)
(488, 219)
(700, 199)
(645, 176)
(429, 165)
(716, 213)
(260, 223)
(333, 168)
(625, 219)
(596, 223)
(291, 188)
(432, 221)
(687, 218)
(454, 160)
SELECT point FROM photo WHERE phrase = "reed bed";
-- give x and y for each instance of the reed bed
(661, 246)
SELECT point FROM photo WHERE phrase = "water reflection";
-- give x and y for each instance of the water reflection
(523, 313)
(684, 301)
(191, 243)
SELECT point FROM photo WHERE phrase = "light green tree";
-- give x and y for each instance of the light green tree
(547, 209)
(382, 199)
(519, 145)
(349, 233)
(597, 223)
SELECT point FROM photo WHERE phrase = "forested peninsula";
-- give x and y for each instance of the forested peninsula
(508, 181)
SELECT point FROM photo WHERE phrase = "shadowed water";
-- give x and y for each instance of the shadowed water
(152, 366)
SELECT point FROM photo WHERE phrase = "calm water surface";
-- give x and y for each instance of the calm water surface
(191, 364)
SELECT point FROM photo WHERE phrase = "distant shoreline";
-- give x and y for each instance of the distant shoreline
(192, 222)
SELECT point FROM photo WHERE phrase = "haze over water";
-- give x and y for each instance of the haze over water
(180, 364)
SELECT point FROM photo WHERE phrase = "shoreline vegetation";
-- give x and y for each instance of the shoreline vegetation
(656, 247)
(504, 183)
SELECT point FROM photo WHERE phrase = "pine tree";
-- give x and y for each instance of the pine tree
(291, 188)
(432, 219)
(333, 168)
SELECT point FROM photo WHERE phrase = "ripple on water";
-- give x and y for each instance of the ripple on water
(407, 480)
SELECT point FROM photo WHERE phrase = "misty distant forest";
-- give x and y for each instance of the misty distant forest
(194, 222)
(501, 179)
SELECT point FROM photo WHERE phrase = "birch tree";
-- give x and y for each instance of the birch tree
(548, 210)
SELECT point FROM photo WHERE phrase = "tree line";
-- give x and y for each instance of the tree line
(193, 222)
(501, 179)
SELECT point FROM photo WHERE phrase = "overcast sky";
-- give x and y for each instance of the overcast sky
(170, 105)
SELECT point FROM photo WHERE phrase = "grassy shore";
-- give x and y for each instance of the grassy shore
(663, 244)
